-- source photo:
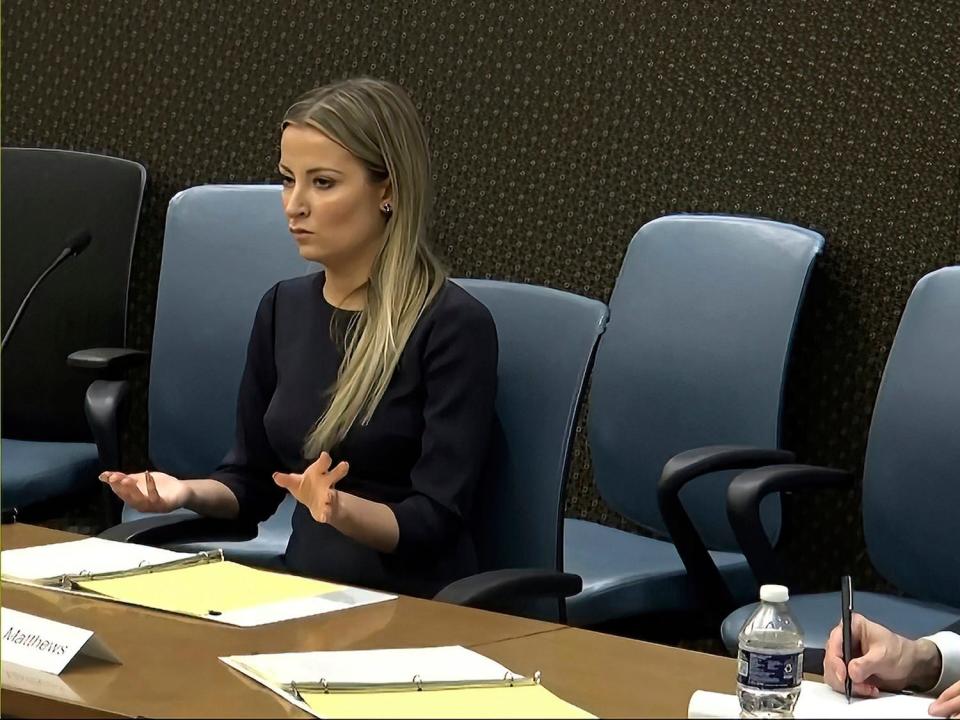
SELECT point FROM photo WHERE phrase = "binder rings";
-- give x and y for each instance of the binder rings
(448, 682)
(202, 585)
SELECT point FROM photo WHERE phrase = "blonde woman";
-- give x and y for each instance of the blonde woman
(369, 388)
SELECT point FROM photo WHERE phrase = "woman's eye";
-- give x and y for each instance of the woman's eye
(322, 183)
(286, 180)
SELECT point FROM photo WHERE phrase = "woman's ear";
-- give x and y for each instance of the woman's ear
(386, 199)
(386, 192)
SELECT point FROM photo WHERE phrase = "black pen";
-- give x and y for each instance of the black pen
(846, 619)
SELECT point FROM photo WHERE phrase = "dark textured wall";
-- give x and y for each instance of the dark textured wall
(558, 128)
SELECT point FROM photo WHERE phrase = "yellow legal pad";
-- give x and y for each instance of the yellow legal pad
(521, 701)
(199, 589)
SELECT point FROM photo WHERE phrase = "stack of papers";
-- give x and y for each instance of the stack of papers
(818, 701)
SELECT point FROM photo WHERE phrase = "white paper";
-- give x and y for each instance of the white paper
(372, 667)
(300, 607)
(817, 701)
(46, 645)
(292, 609)
(91, 555)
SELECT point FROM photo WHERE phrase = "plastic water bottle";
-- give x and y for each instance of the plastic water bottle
(770, 661)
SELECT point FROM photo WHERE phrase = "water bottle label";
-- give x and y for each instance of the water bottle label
(769, 672)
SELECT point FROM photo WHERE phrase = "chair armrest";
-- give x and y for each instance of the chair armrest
(743, 507)
(107, 362)
(677, 472)
(106, 405)
(497, 589)
(171, 529)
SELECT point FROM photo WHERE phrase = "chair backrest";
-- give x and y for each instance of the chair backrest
(48, 195)
(911, 481)
(701, 323)
(546, 340)
(224, 246)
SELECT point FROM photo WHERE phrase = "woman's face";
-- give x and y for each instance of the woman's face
(333, 206)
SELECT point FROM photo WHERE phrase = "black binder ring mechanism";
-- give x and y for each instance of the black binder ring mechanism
(417, 683)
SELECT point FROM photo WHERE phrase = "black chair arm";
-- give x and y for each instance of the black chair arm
(748, 489)
(107, 362)
(498, 589)
(677, 472)
(162, 530)
(106, 405)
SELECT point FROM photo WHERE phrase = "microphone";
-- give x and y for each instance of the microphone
(77, 243)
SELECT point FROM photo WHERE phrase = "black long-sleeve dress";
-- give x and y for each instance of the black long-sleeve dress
(424, 452)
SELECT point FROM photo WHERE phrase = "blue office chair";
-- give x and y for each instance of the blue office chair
(911, 484)
(546, 340)
(48, 456)
(695, 354)
(224, 247)
(546, 337)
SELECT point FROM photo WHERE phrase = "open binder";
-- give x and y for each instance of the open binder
(201, 585)
(448, 682)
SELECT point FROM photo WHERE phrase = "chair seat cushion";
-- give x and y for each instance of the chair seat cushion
(266, 550)
(818, 614)
(33, 472)
(626, 574)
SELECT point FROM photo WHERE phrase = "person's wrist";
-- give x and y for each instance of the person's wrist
(339, 512)
(186, 498)
(925, 666)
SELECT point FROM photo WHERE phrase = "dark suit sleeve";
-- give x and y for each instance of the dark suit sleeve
(460, 378)
(248, 467)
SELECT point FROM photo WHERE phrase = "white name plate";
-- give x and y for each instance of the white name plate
(47, 645)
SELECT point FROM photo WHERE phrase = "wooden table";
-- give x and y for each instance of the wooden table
(170, 666)
(612, 676)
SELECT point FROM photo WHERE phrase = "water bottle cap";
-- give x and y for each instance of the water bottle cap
(774, 593)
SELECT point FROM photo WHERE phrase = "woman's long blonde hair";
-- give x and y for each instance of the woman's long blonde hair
(377, 122)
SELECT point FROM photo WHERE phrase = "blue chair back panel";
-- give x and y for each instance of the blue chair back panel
(911, 482)
(224, 247)
(547, 340)
(701, 322)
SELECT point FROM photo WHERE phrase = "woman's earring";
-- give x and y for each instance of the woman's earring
(387, 209)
